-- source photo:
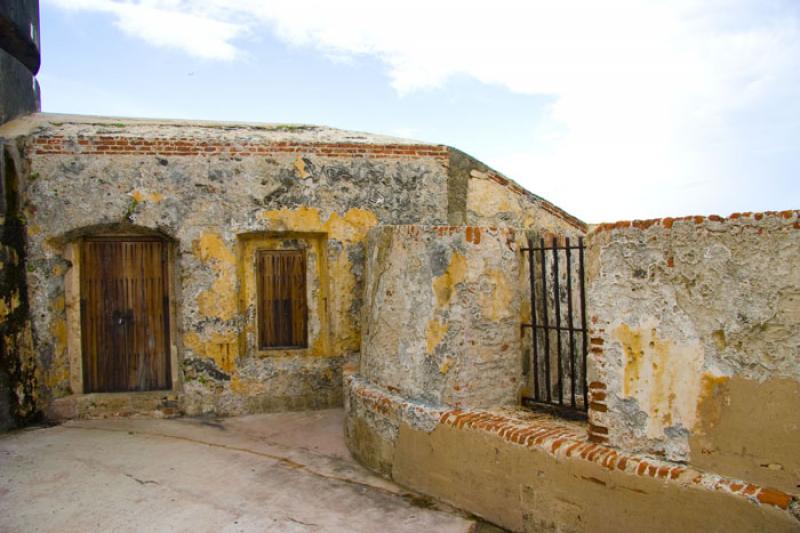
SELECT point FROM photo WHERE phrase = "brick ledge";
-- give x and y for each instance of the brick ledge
(561, 442)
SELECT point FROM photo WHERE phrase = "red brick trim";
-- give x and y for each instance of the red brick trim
(667, 223)
(184, 146)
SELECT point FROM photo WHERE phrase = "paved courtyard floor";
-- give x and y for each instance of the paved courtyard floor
(276, 472)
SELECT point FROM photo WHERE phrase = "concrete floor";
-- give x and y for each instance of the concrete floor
(278, 472)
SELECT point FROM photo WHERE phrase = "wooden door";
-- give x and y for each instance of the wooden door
(125, 314)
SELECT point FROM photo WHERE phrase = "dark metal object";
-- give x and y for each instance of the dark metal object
(570, 327)
(532, 269)
(582, 277)
(546, 326)
(18, 41)
(573, 367)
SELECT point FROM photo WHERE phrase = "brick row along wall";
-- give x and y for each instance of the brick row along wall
(103, 145)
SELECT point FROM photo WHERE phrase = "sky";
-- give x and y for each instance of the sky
(612, 110)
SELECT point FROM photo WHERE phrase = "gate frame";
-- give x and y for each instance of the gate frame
(546, 402)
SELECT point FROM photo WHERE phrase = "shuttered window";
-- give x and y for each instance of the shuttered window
(282, 309)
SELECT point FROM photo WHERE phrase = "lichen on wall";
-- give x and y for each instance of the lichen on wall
(19, 376)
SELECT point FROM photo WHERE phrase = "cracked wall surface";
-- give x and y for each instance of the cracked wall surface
(696, 337)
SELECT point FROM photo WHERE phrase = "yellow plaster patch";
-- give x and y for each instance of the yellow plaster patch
(495, 305)
(58, 304)
(444, 285)
(300, 168)
(444, 368)
(300, 219)
(350, 227)
(663, 376)
(487, 198)
(220, 300)
(58, 332)
(140, 196)
(210, 247)
(435, 333)
(222, 348)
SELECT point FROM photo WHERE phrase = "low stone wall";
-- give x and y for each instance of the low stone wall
(529, 472)
(695, 342)
(690, 319)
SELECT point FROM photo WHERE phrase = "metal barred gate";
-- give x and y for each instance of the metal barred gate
(556, 369)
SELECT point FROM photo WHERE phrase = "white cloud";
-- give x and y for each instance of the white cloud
(646, 93)
(169, 23)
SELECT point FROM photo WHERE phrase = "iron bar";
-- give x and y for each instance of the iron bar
(557, 303)
(546, 323)
(583, 322)
(539, 326)
(548, 248)
(532, 277)
(570, 326)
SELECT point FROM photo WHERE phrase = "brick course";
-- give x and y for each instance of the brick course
(102, 145)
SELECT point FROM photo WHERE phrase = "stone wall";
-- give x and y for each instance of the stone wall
(696, 341)
(442, 313)
(217, 192)
(693, 378)
(18, 376)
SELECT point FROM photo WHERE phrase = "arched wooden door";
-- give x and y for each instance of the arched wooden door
(125, 314)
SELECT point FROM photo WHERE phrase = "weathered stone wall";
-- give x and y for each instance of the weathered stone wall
(441, 314)
(218, 192)
(17, 368)
(696, 341)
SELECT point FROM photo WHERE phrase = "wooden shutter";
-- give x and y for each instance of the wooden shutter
(125, 315)
(282, 309)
